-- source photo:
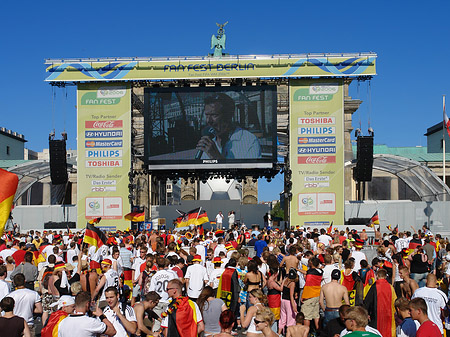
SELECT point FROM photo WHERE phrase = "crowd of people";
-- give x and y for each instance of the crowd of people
(261, 283)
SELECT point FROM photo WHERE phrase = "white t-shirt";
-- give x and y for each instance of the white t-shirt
(25, 299)
(436, 300)
(165, 321)
(4, 289)
(70, 254)
(358, 256)
(112, 280)
(219, 218)
(214, 277)
(137, 267)
(197, 276)
(81, 326)
(7, 252)
(326, 278)
(325, 239)
(112, 317)
(159, 283)
(220, 248)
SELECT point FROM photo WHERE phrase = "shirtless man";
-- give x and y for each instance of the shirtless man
(291, 260)
(333, 293)
(144, 308)
(298, 330)
(409, 286)
(88, 279)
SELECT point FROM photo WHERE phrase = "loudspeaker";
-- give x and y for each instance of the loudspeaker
(364, 159)
(58, 162)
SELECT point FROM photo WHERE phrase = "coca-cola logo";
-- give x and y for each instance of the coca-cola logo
(313, 160)
(103, 124)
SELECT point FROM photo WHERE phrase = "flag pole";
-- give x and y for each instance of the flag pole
(443, 144)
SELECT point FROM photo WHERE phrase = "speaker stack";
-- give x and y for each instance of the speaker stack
(364, 159)
(58, 161)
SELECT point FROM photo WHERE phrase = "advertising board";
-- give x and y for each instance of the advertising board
(104, 141)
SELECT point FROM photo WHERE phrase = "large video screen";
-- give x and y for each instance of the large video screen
(210, 127)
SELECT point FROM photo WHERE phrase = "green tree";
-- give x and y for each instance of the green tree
(277, 212)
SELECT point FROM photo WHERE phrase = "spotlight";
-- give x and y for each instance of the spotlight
(255, 179)
(227, 181)
(192, 180)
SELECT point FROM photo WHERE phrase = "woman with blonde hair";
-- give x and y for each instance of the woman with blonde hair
(258, 301)
(264, 320)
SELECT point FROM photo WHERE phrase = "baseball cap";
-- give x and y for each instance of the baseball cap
(63, 301)
(335, 274)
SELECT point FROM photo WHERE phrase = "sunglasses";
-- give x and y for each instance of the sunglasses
(257, 322)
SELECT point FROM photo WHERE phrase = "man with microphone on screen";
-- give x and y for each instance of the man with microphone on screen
(221, 139)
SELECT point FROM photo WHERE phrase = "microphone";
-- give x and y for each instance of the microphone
(207, 131)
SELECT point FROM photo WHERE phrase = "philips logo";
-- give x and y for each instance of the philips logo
(330, 130)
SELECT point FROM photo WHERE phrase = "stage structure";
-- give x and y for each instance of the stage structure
(146, 119)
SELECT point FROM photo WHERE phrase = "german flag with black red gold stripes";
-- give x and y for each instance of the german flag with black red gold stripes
(312, 283)
(94, 236)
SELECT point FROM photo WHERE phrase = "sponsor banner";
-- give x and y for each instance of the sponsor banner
(103, 188)
(103, 134)
(329, 65)
(315, 185)
(317, 178)
(317, 161)
(104, 111)
(317, 140)
(316, 149)
(316, 120)
(104, 153)
(103, 182)
(317, 130)
(103, 124)
(103, 163)
(103, 143)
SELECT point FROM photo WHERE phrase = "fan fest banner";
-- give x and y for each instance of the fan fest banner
(104, 142)
(317, 152)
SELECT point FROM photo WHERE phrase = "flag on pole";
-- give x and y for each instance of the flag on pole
(446, 121)
(191, 217)
(8, 188)
(329, 229)
(389, 227)
(374, 220)
(135, 217)
(94, 236)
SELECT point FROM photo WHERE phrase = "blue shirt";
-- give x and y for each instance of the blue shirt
(259, 247)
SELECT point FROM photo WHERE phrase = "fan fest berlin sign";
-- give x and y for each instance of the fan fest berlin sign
(104, 142)
(317, 151)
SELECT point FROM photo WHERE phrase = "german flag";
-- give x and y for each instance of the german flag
(329, 229)
(312, 283)
(94, 236)
(374, 220)
(51, 329)
(202, 218)
(8, 183)
(135, 217)
(191, 217)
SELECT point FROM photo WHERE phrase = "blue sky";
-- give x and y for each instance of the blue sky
(411, 39)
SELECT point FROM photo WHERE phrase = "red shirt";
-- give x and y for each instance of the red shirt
(428, 329)
(18, 256)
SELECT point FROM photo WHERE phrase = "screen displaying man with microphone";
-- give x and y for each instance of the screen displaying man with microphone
(224, 139)
(224, 126)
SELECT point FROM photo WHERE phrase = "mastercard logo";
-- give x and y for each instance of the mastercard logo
(303, 140)
(90, 144)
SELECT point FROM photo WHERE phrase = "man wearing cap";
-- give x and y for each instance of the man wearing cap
(66, 306)
(121, 315)
(196, 277)
(333, 294)
(215, 274)
(109, 278)
(358, 255)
